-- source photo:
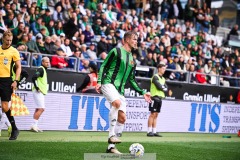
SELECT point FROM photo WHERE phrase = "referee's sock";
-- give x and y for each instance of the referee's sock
(11, 119)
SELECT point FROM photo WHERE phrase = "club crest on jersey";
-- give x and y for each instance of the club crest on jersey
(132, 63)
(5, 61)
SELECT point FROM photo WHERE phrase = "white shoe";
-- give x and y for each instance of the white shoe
(39, 130)
(34, 129)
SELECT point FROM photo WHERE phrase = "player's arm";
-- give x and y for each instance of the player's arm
(18, 72)
(17, 60)
(165, 85)
(18, 69)
(133, 82)
(158, 84)
(38, 73)
(23, 76)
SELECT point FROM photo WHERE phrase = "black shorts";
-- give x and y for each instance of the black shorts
(5, 89)
(156, 104)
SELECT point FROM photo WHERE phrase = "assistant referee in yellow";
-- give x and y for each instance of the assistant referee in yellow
(8, 56)
(157, 89)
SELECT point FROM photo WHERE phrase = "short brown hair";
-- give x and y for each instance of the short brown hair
(7, 33)
(129, 34)
(10, 13)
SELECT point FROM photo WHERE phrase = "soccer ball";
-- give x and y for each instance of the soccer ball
(136, 149)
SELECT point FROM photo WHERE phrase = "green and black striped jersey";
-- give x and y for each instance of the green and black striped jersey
(117, 68)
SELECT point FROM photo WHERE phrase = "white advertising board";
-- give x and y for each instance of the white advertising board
(90, 113)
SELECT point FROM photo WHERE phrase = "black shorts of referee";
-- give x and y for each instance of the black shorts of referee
(156, 104)
(6, 89)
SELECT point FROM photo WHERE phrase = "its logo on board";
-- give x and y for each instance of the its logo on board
(208, 115)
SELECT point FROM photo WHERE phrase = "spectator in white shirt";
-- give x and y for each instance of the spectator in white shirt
(82, 9)
(111, 16)
(213, 76)
(104, 4)
(66, 47)
(175, 8)
(208, 67)
(167, 40)
(208, 52)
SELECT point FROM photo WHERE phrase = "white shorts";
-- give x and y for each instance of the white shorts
(111, 94)
(39, 99)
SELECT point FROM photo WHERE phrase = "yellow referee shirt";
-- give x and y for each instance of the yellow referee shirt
(6, 58)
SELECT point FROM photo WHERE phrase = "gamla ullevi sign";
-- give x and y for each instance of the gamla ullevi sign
(198, 97)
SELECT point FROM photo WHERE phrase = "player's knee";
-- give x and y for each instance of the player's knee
(116, 103)
(5, 106)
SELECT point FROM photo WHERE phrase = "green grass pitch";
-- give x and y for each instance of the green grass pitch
(59, 145)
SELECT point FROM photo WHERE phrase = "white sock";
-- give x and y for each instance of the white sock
(35, 122)
(111, 145)
(119, 127)
(5, 120)
(149, 129)
(112, 120)
(154, 130)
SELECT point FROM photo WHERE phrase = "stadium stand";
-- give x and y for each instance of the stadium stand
(74, 33)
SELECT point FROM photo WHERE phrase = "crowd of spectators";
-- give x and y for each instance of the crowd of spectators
(67, 30)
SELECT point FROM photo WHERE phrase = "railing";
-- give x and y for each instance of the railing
(227, 81)
(141, 72)
(234, 41)
(61, 65)
(211, 79)
(172, 75)
(26, 61)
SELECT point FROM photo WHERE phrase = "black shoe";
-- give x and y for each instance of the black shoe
(113, 150)
(157, 135)
(150, 134)
(14, 134)
(119, 134)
